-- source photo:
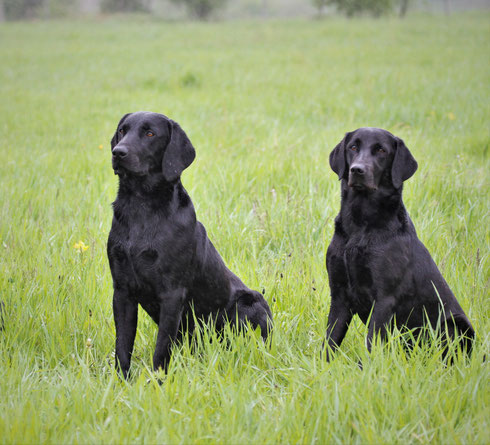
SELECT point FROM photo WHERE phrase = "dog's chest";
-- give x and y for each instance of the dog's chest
(140, 251)
(136, 262)
(149, 250)
(358, 258)
(357, 263)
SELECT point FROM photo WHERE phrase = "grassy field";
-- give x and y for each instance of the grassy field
(264, 104)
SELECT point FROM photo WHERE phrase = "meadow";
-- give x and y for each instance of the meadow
(264, 103)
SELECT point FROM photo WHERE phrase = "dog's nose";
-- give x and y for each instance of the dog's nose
(358, 169)
(120, 152)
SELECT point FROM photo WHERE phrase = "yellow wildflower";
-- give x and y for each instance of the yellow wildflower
(81, 246)
(451, 116)
(101, 147)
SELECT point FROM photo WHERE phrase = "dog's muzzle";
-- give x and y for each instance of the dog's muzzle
(118, 154)
(361, 178)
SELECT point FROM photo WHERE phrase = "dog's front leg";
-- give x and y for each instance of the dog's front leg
(126, 320)
(380, 318)
(338, 322)
(171, 308)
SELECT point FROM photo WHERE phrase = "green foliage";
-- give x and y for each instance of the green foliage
(201, 9)
(263, 103)
(21, 9)
(31, 9)
(357, 7)
(403, 5)
(351, 8)
(124, 5)
(320, 5)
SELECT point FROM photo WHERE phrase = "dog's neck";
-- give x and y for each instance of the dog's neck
(149, 186)
(380, 209)
(152, 193)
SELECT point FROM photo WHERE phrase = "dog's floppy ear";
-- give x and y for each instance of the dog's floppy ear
(114, 138)
(337, 157)
(404, 164)
(179, 153)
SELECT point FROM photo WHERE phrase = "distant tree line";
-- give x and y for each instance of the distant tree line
(203, 9)
(200, 9)
(351, 8)
(29, 9)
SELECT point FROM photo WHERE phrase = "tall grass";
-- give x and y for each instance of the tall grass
(263, 103)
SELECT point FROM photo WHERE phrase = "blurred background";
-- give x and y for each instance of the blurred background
(228, 9)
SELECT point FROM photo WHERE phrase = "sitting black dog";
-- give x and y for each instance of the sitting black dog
(377, 266)
(159, 254)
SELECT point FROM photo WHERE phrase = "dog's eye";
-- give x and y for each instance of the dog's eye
(150, 134)
(121, 131)
(381, 150)
(354, 148)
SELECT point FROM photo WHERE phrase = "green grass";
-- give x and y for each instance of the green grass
(264, 104)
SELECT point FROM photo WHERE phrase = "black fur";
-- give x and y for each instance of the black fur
(159, 254)
(375, 260)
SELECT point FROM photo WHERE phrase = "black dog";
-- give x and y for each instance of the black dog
(159, 254)
(377, 266)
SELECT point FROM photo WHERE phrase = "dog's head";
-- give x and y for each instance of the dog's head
(150, 143)
(368, 156)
